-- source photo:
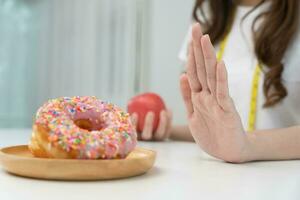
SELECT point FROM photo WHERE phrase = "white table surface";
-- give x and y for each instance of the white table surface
(181, 171)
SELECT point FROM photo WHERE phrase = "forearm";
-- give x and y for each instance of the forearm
(181, 132)
(275, 144)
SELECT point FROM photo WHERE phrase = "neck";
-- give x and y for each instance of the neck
(248, 2)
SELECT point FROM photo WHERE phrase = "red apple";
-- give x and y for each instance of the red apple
(144, 103)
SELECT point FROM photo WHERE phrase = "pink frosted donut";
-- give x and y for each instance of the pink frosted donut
(82, 128)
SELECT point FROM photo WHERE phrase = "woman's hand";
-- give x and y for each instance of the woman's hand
(213, 119)
(163, 130)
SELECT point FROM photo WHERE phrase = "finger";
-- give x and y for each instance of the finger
(210, 61)
(148, 126)
(169, 124)
(222, 93)
(162, 126)
(200, 65)
(186, 94)
(192, 71)
(134, 119)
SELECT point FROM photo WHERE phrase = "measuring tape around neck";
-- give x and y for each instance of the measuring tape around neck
(254, 86)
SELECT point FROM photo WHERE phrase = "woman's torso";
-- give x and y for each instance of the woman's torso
(241, 62)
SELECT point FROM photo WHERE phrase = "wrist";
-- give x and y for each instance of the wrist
(250, 152)
(181, 132)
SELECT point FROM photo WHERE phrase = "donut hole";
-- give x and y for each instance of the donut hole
(87, 125)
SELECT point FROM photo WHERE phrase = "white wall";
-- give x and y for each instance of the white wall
(95, 47)
(170, 20)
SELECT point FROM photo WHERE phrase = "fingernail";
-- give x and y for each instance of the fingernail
(162, 113)
(196, 31)
(206, 37)
(196, 24)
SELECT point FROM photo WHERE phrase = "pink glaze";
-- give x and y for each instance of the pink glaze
(112, 134)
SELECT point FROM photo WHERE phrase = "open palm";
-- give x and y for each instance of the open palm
(213, 119)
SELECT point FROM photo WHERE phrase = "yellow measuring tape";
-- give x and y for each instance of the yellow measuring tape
(254, 87)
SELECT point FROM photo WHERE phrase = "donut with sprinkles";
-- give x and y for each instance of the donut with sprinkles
(82, 128)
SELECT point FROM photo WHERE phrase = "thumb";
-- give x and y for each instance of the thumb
(134, 119)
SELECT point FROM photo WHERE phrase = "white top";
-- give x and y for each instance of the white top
(240, 61)
(182, 172)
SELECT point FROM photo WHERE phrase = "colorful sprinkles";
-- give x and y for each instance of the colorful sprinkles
(112, 135)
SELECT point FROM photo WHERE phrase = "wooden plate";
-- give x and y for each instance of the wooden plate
(18, 160)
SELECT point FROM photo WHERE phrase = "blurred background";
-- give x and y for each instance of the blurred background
(113, 49)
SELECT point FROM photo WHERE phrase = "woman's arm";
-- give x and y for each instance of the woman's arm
(275, 144)
(181, 133)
